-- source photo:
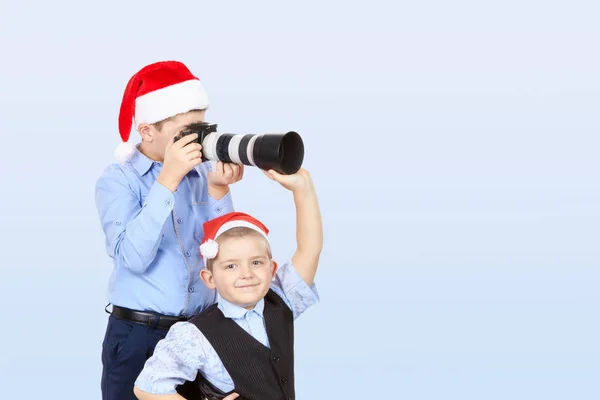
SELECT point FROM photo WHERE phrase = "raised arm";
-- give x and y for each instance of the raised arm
(309, 227)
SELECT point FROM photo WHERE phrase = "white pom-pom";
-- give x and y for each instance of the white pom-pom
(124, 151)
(209, 249)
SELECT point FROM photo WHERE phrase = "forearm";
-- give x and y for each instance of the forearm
(141, 395)
(133, 235)
(309, 233)
(217, 192)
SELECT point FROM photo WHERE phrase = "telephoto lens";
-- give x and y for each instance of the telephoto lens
(282, 152)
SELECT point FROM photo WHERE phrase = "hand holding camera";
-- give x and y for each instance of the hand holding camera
(180, 158)
(299, 183)
(225, 174)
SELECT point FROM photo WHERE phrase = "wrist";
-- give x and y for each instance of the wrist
(303, 192)
(168, 181)
(217, 192)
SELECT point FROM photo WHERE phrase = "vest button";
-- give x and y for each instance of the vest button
(276, 359)
(284, 380)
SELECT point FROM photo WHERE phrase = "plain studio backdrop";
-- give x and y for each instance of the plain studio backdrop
(454, 146)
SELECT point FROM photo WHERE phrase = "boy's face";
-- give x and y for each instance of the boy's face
(242, 271)
(158, 139)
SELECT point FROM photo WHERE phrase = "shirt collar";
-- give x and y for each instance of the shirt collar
(140, 162)
(234, 311)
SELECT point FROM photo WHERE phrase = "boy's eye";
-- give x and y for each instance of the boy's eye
(257, 262)
(230, 266)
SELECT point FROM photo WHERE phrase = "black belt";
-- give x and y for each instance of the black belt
(146, 318)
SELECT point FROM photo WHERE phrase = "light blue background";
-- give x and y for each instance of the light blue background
(455, 150)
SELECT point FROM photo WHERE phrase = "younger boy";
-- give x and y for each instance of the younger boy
(244, 343)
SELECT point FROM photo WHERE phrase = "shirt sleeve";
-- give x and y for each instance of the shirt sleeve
(219, 207)
(294, 291)
(176, 359)
(132, 230)
(216, 207)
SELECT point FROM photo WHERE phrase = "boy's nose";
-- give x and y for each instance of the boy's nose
(246, 271)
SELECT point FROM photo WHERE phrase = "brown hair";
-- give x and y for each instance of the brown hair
(158, 125)
(238, 232)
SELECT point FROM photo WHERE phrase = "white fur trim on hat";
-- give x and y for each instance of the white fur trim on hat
(209, 249)
(124, 151)
(236, 224)
(170, 101)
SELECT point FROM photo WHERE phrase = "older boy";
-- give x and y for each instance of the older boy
(244, 343)
(152, 206)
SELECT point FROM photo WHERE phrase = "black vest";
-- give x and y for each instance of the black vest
(258, 373)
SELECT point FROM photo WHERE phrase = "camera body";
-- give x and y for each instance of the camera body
(203, 129)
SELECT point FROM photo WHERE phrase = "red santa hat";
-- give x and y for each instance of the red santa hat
(156, 92)
(217, 226)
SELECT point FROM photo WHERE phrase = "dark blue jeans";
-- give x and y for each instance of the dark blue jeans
(125, 349)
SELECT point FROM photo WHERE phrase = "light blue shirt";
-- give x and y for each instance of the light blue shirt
(185, 351)
(153, 236)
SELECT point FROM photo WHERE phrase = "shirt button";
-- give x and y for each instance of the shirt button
(187, 253)
(117, 222)
(169, 202)
(191, 289)
(219, 209)
(284, 380)
(179, 220)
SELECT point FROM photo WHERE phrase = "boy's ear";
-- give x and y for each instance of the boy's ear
(274, 266)
(207, 278)
(146, 132)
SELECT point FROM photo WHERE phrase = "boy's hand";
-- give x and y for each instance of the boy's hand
(300, 182)
(180, 157)
(225, 174)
